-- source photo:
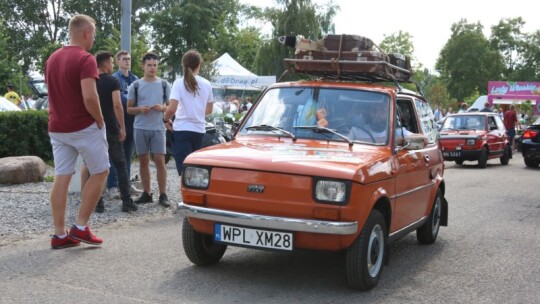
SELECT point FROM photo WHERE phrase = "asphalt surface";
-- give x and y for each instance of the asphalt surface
(489, 253)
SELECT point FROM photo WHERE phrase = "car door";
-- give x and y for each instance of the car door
(414, 181)
(495, 136)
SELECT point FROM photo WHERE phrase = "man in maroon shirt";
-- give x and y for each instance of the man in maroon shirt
(75, 127)
(510, 122)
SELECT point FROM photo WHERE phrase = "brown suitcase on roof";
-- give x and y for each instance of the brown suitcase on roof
(348, 43)
(334, 63)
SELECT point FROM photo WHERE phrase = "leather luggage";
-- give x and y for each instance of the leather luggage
(348, 43)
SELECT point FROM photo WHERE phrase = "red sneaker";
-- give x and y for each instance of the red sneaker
(85, 236)
(58, 243)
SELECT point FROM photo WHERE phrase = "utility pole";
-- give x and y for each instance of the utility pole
(125, 25)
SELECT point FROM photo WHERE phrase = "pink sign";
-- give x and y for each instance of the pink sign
(515, 91)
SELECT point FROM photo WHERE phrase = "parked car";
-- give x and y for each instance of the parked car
(294, 177)
(476, 136)
(39, 87)
(6, 105)
(530, 145)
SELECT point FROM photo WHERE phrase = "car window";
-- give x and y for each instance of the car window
(427, 120)
(492, 124)
(362, 116)
(500, 123)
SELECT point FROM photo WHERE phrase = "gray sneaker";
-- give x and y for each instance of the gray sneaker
(134, 190)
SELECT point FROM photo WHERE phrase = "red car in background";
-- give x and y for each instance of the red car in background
(476, 136)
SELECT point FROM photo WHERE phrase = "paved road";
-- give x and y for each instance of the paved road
(490, 253)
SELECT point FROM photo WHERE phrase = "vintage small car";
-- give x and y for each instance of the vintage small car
(328, 165)
(476, 136)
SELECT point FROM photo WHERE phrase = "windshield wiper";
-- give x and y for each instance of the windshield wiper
(321, 129)
(271, 128)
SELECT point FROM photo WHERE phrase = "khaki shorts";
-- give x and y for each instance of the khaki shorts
(90, 143)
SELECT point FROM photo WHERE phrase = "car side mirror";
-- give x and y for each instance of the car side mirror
(415, 141)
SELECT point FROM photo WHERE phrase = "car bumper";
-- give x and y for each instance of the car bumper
(530, 149)
(268, 222)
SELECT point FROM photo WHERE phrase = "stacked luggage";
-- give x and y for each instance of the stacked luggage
(347, 57)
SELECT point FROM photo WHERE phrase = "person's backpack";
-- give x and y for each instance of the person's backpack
(136, 87)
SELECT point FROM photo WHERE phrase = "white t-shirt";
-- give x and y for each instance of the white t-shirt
(191, 107)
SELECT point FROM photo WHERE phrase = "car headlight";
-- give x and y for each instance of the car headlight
(471, 142)
(332, 191)
(196, 177)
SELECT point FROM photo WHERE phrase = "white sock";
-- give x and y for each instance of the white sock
(81, 228)
(63, 236)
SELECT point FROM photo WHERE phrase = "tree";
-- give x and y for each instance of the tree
(507, 38)
(530, 69)
(399, 42)
(292, 17)
(31, 25)
(467, 62)
(192, 24)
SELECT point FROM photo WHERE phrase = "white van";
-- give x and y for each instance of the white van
(478, 104)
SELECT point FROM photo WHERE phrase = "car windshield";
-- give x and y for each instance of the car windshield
(465, 122)
(39, 87)
(322, 113)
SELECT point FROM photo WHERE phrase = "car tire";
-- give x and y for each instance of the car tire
(459, 162)
(365, 257)
(505, 159)
(482, 160)
(427, 233)
(200, 248)
(531, 162)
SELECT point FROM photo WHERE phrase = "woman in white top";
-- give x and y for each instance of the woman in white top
(190, 100)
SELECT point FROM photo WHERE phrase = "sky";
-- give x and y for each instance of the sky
(428, 22)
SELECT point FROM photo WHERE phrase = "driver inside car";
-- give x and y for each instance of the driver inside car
(375, 128)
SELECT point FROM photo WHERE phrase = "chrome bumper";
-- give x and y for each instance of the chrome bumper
(269, 222)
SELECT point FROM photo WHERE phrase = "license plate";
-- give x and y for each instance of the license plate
(452, 154)
(253, 237)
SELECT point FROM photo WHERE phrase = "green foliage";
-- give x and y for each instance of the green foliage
(25, 133)
(292, 17)
(467, 61)
(399, 42)
(506, 37)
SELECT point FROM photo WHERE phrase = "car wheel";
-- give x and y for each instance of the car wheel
(365, 257)
(505, 159)
(531, 162)
(482, 161)
(427, 233)
(459, 162)
(200, 248)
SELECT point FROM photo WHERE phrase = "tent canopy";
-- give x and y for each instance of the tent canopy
(232, 75)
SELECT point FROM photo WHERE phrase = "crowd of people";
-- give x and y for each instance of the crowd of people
(100, 114)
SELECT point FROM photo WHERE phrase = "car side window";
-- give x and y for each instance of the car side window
(499, 122)
(427, 120)
(492, 124)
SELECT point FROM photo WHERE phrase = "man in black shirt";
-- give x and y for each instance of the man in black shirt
(108, 89)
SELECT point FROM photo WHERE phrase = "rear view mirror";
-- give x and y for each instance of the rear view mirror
(415, 141)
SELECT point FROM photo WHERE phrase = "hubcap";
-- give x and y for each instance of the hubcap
(375, 251)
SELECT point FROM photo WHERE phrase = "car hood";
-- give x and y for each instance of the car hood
(361, 163)
(462, 133)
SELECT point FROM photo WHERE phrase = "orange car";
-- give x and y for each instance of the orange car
(371, 174)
